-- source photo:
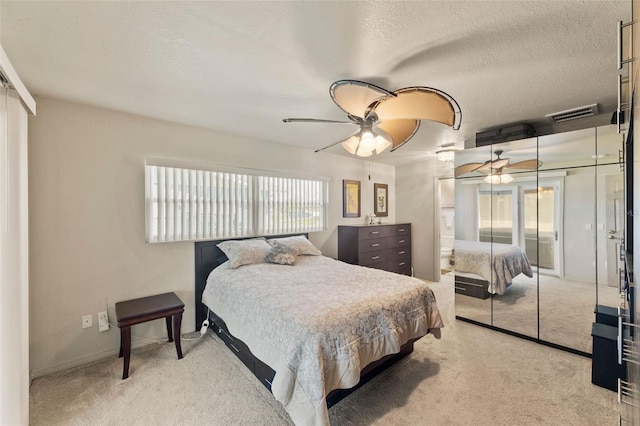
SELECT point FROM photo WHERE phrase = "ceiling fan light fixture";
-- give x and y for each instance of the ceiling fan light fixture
(367, 142)
(351, 144)
(382, 143)
(446, 154)
(497, 179)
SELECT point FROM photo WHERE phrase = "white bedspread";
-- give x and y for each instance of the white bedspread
(318, 323)
(496, 263)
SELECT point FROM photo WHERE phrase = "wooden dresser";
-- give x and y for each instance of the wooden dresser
(385, 247)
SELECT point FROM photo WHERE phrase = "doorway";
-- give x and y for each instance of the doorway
(445, 211)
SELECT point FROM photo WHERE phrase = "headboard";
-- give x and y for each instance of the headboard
(208, 257)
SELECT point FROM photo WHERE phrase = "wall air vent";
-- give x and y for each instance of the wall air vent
(575, 113)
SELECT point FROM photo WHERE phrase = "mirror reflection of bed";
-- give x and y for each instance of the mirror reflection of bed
(564, 216)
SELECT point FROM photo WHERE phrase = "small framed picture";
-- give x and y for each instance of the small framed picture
(381, 199)
(350, 198)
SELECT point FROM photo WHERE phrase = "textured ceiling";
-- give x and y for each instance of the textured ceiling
(241, 67)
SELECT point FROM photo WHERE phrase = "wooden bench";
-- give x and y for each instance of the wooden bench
(136, 311)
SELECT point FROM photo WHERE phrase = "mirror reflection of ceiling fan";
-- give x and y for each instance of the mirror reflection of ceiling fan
(384, 118)
(496, 169)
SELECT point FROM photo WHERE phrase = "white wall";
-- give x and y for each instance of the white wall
(87, 248)
(415, 204)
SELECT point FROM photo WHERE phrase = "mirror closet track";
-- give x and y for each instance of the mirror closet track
(539, 228)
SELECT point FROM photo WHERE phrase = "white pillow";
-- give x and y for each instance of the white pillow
(299, 243)
(245, 252)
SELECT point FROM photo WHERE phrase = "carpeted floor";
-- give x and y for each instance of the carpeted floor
(472, 376)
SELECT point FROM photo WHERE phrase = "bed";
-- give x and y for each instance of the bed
(483, 268)
(313, 330)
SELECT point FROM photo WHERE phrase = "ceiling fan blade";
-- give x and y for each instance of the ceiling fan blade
(354, 97)
(421, 103)
(532, 164)
(400, 131)
(493, 164)
(467, 168)
(314, 120)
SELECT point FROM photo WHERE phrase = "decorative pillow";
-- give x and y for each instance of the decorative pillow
(300, 243)
(284, 255)
(245, 252)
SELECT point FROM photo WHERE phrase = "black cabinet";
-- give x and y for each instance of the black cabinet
(605, 370)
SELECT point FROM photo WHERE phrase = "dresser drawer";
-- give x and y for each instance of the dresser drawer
(369, 232)
(373, 245)
(404, 229)
(398, 252)
(400, 265)
(378, 265)
(370, 258)
(400, 241)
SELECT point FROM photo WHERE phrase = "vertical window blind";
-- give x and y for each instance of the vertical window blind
(185, 204)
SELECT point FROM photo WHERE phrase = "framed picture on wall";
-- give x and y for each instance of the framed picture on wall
(381, 199)
(350, 198)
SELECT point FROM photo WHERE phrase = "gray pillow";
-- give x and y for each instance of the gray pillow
(284, 255)
(245, 252)
(298, 242)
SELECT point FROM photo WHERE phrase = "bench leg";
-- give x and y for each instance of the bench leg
(125, 349)
(177, 321)
(169, 331)
(121, 343)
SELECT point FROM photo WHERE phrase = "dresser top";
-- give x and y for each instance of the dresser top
(364, 225)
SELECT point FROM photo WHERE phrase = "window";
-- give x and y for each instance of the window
(496, 216)
(185, 204)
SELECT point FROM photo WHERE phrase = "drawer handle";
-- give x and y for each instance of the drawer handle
(401, 230)
(401, 241)
(461, 288)
(401, 252)
(375, 232)
(619, 339)
(375, 245)
(401, 264)
(375, 257)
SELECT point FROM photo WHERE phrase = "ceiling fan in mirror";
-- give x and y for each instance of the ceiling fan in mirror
(496, 169)
(386, 118)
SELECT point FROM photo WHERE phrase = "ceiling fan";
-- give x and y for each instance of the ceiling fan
(385, 118)
(497, 167)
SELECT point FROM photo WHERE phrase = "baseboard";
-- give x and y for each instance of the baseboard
(72, 363)
(88, 359)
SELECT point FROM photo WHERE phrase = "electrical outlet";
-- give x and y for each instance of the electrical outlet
(103, 321)
(87, 321)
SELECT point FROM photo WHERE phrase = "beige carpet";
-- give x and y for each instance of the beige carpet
(472, 376)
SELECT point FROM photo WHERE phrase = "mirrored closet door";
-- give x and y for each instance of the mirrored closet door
(539, 224)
